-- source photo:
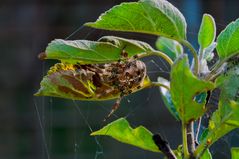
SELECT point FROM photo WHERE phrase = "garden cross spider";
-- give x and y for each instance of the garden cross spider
(122, 78)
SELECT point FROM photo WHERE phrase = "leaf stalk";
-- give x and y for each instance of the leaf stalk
(185, 142)
(157, 53)
(194, 53)
(157, 84)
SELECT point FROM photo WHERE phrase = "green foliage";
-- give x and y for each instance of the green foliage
(184, 87)
(170, 47)
(226, 118)
(123, 132)
(132, 47)
(203, 135)
(206, 155)
(157, 17)
(228, 43)
(207, 32)
(84, 73)
(235, 152)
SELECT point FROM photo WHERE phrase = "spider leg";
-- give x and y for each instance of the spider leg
(114, 108)
(124, 55)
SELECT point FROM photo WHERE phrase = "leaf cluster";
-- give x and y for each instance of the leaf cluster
(185, 93)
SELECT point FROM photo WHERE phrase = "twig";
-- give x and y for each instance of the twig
(198, 129)
(190, 139)
(164, 146)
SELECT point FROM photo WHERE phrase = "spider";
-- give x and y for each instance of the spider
(122, 78)
(97, 81)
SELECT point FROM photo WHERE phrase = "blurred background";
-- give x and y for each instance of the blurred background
(51, 128)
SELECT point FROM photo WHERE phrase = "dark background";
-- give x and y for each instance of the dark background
(50, 128)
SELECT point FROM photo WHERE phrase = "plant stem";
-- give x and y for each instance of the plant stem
(215, 70)
(200, 58)
(190, 139)
(157, 53)
(194, 53)
(201, 54)
(185, 142)
(198, 129)
(157, 84)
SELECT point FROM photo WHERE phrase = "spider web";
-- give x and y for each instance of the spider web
(91, 114)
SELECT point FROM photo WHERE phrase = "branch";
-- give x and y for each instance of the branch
(198, 130)
(164, 146)
(190, 139)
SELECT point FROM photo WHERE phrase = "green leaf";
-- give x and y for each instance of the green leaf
(167, 99)
(88, 52)
(179, 152)
(132, 47)
(206, 155)
(203, 135)
(157, 17)
(184, 87)
(235, 152)
(227, 41)
(207, 32)
(123, 132)
(170, 47)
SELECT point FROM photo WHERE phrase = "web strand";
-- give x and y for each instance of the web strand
(42, 131)
(100, 148)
